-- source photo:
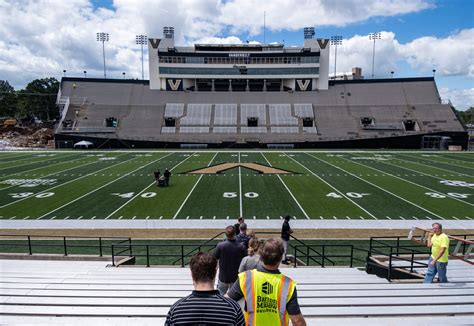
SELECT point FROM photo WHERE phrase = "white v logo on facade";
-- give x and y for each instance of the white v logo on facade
(174, 84)
(303, 84)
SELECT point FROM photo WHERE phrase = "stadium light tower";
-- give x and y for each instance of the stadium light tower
(141, 40)
(374, 36)
(336, 40)
(103, 37)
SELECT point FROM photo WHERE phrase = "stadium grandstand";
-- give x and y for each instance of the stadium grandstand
(253, 95)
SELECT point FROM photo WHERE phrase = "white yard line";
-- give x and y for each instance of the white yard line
(435, 177)
(39, 161)
(414, 183)
(434, 161)
(105, 185)
(289, 191)
(190, 192)
(65, 183)
(376, 186)
(337, 190)
(240, 191)
(144, 189)
(51, 174)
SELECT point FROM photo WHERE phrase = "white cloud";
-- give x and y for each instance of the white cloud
(219, 40)
(41, 38)
(358, 52)
(462, 99)
(247, 15)
(452, 55)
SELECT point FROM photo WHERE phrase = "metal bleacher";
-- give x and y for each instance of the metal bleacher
(280, 115)
(225, 115)
(327, 116)
(197, 115)
(174, 110)
(253, 110)
(80, 292)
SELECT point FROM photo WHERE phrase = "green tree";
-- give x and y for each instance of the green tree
(467, 116)
(38, 99)
(7, 99)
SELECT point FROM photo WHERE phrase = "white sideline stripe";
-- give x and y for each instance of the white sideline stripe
(340, 192)
(192, 189)
(240, 191)
(47, 175)
(374, 185)
(286, 187)
(65, 183)
(105, 185)
(138, 194)
(432, 190)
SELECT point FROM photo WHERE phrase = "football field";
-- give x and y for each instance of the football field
(207, 185)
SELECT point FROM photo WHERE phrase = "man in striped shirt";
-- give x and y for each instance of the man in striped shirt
(205, 305)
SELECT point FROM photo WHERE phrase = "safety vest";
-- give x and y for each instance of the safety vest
(266, 296)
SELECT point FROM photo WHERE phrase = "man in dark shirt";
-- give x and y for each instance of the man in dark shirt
(240, 220)
(167, 176)
(229, 253)
(266, 284)
(204, 306)
(285, 236)
(243, 237)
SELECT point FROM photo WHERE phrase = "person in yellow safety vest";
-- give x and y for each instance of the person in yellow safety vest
(270, 297)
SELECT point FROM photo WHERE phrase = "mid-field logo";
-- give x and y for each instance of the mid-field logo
(259, 168)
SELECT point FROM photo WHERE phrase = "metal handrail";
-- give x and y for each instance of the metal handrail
(199, 246)
(65, 245)
(324, 256)
(148, 253)
(394, 251)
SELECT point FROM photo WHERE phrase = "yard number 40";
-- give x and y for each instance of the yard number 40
(348, 194)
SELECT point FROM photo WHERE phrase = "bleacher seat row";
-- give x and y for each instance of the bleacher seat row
(76, 292)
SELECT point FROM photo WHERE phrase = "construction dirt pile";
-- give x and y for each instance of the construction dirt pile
(26, 137)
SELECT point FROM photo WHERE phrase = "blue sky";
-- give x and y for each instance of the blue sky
(417, 35)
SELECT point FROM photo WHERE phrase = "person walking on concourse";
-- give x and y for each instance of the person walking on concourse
(438, 241)
(270, 297)
(205, 305)
(285, 236)
(229, 253)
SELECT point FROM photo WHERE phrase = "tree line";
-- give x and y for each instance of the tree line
(37, 99)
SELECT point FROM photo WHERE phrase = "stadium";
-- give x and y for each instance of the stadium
(363, 167)
(254, 96)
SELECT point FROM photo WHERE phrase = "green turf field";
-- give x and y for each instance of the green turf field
(321, 185)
